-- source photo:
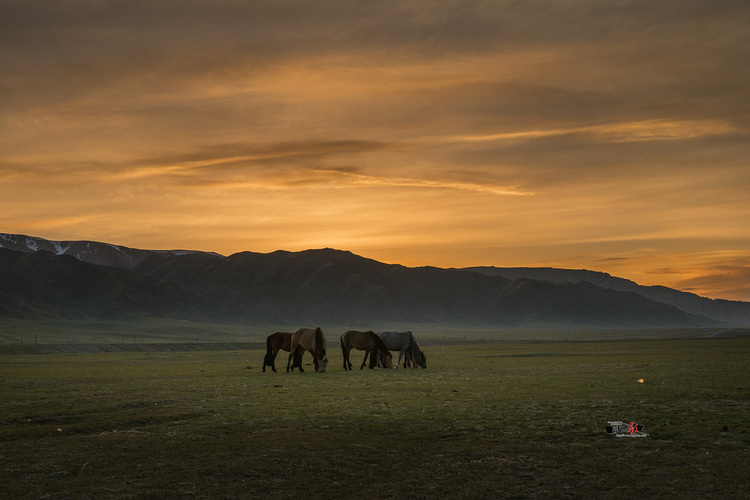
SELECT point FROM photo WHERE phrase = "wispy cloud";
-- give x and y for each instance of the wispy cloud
(290, 166)
(646, 130)
(356, 179)
(228, 157)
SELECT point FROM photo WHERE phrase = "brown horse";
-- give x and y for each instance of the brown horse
(280, 341)
(368, 342)
(313, 341)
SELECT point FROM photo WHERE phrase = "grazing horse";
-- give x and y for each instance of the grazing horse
(312, 340)
(368, 342)
(280, 341)
(407, 347)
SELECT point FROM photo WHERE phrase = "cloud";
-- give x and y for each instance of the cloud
(231, 157)
(727, 277)
(360, 180)
(292, 166)
(647, 130)
(524, 132)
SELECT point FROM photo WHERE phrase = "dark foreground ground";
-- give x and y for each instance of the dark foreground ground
(510, 420)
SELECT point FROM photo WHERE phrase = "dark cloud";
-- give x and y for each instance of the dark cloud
(194, 37)
(603, 61)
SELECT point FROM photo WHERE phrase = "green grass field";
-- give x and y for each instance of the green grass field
(506, 420)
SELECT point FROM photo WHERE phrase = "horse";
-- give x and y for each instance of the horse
(368, 342)
(407, 347)
(312, 340)
(280, 341)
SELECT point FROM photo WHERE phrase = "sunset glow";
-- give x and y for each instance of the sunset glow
(612, 136)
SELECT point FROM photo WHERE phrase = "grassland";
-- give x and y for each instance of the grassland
(162, 330)
(505, 420)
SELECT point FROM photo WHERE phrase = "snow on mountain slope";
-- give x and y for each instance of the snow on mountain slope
(93, 252)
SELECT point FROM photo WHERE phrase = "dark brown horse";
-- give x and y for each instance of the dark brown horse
(313, 341)
(280, 341)
(368, 342)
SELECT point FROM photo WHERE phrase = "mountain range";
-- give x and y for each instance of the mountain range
(41, 279)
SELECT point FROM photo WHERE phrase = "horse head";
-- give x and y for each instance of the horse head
(386, 358)
(417, 354)
(322, 362)
(421, 359)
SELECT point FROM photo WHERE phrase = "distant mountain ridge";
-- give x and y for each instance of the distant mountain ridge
(731, 311)
(42, 279)
(93, 252)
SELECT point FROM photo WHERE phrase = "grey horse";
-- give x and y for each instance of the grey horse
(407, 347)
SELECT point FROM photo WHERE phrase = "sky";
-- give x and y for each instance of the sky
(612, 136)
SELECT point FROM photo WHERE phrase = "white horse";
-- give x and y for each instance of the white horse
(407, 347)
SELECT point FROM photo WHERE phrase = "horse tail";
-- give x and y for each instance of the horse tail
(267, 361)
(409, 358)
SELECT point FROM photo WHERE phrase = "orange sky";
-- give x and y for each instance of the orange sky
(611, 136)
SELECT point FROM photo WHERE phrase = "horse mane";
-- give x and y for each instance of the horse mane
(320, 344)
(380, 342)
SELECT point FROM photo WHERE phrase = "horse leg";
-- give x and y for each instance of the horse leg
(267, 361)
(367, 351)
(289, 361)
(273, 360)
(409, 359)
(345, 353)
(349, 348)
(400, 353)
(376, 360)
(297, 360)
